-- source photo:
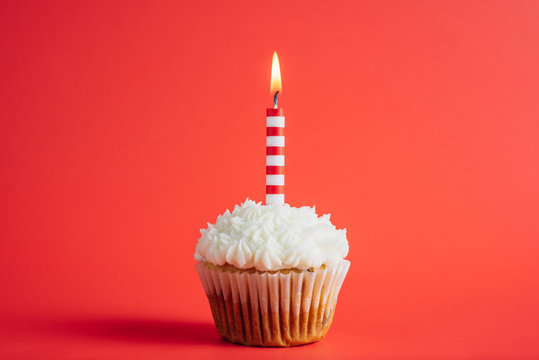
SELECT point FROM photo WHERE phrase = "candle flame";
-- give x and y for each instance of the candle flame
(275, 75)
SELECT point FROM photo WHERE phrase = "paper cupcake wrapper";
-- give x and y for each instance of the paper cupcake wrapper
(284, 308)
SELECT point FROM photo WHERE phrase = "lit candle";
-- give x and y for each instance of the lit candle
(275, 140)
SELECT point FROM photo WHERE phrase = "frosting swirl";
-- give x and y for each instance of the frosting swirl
(271, 237)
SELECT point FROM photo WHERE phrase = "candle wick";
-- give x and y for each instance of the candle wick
(275, 100)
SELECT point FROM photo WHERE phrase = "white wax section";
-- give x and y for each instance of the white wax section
(274, 179)
(275, 141)
(275, 121)
(274, 160)
(274, 199)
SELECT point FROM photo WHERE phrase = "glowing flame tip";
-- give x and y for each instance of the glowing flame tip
(275, 75)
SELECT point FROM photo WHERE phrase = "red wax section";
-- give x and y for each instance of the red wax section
(125, 126)
(274, 150)
(274, 189)
(274, 170)
(274, 131)
(274, 112)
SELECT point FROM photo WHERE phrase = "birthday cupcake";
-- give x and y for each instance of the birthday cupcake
(272, 273)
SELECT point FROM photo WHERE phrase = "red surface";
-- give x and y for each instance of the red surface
(125, 126)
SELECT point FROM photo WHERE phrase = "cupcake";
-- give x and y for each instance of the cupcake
(272, 273)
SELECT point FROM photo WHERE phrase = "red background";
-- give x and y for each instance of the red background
(125, 126)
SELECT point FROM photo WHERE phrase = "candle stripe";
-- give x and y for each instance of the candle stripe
(274, 189)
(273, 170)
(274, 150)
(274, 131)
(274, 112)
(274, 179)
(274, 160)
(274, 198)
(275, 121)
(274, 140)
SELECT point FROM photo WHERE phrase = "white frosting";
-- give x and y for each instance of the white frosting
(272, 237)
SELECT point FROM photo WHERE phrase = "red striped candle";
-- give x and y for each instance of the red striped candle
(275, 140)
(274, 156)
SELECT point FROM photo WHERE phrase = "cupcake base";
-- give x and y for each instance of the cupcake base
(283, 308)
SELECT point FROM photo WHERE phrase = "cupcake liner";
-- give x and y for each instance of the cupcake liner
(283, 308)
